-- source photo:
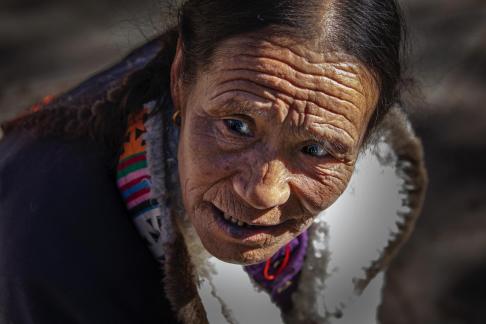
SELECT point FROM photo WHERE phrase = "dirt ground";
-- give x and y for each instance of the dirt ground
(440, 276)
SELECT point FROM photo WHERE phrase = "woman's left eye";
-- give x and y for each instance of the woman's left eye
(238, 126)
(316, 150)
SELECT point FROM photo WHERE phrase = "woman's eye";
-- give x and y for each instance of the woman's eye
(238, 126)
(316, 150)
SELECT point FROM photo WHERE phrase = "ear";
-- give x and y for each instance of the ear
(176, 77)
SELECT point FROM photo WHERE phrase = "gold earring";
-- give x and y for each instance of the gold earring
(176, 118)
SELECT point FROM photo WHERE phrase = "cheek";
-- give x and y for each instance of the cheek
(320, 188)
(201, 161)
(207, 154)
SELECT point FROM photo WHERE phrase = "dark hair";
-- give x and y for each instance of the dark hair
(372, 31)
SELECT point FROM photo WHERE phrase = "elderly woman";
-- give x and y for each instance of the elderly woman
(256, 147)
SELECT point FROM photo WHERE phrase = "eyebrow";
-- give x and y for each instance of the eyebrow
(243, 106)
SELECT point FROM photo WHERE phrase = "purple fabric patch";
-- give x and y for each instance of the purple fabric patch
(284, 284)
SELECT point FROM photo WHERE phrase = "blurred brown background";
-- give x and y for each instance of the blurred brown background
(440, 276)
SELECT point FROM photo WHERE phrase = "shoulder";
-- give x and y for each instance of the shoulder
(35, 169)
(51, 172)
(52, 193)
(64, 227)
(25, 154)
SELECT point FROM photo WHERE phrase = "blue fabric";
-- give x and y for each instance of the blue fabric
(69, 252)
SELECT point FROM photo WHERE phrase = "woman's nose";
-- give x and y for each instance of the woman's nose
(264, 186)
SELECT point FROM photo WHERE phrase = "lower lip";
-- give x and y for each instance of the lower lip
(262, 235)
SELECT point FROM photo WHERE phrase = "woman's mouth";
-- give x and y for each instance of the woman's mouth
(242, 232)
(237, 222)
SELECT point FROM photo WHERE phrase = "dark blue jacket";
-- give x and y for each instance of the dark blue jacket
(69, 252)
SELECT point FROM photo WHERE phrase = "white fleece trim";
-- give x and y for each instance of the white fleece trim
(350, 236)
(363, 310)
(160, 221)
(221, 284)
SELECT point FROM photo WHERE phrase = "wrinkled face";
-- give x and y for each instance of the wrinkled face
(269, 138)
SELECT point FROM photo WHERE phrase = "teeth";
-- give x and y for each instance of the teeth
(234, 220)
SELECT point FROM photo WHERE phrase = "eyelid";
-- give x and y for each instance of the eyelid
(242, 117)
(335, 147)
(316, 142)
(245, 118)
(329, 148)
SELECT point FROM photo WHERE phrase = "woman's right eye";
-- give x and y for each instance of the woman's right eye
(238, 126)
(316, 150)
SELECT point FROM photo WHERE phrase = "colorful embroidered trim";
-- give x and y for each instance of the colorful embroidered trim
(134, 183)
(132, 172)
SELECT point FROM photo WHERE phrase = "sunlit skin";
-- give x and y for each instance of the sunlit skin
(270, 135)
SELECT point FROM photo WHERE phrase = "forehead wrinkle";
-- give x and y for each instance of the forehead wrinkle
(336, 64)
(313, 126)
(298, 48)
(324, 70)
(310, 86)
(275, 99)
(266, 92)
(287, 88)
(347, 87)
(288, 101)
(327, 117)
(312, 129)
(347, 63)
